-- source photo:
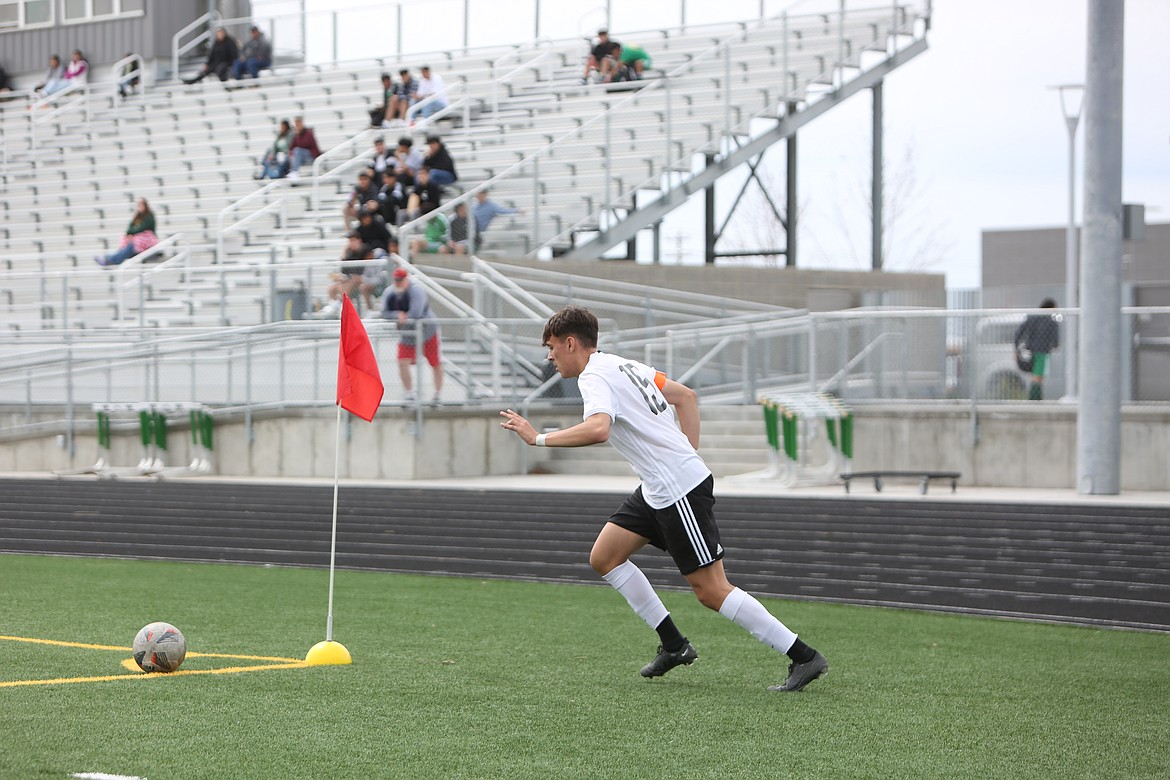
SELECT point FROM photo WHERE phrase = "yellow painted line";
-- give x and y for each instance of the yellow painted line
(275, 662)
(61, 644)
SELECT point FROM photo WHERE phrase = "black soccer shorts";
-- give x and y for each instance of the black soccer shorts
(686, 529)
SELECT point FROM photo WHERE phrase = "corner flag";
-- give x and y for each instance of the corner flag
(359, 385)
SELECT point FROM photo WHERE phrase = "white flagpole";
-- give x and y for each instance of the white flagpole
(333, 536)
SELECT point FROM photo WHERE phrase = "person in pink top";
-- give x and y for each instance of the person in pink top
(77, 68)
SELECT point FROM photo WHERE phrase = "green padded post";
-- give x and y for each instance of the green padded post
(160, 430)
(831, 428)
(206, 427)
(847, 435)
(771, 426)
(790, 430)
(145, 427)
(103, 430)
(193, 417)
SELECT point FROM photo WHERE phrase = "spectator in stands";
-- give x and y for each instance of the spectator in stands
(407, 161)
(1035, 340)
(438, 159)
(391, 197)
(76, 70)
(408, 304)
(634, 62)
(485, 211)
(275, 160)
(403, 95)
(130, 77)
(303, 148)
(54, 77)
(220, 60)
(347, 281)
(4, 86)
(139, 236)
(375, 279)
(430, 85)
(436, 234)
(457, 243)
(372, 228)
(255, 57)
(382, 112)
(602, 58)
(363, 192)
(382, 159)
(424, 192)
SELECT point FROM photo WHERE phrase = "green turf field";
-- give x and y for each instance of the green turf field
(462, 678)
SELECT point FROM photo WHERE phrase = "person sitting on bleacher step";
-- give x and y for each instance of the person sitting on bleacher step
(424, 193)
(379, 114)
(400, 100)
(303, 148)
(54, 78)
(363, 192)
(275, 161)
(256, 56)
(220, 60)
(438, 159)
(407, 161)
(391, 197)
(139, 236)
(372, 228)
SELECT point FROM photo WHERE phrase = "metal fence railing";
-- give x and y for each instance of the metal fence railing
(860, 356)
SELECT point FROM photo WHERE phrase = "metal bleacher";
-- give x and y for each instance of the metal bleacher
(577, 160)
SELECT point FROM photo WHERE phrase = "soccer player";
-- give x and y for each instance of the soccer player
(629, 404)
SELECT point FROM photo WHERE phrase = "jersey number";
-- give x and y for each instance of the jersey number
(656, 402)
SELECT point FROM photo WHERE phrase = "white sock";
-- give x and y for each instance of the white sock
(742, 609)
(632, 583)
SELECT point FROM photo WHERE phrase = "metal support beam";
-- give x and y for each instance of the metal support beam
(1099, 413)
(709, 215)
(791, 204)
(876, 195)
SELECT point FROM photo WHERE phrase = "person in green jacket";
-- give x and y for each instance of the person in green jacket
(275, 160)
(139, 236)
(436, 234)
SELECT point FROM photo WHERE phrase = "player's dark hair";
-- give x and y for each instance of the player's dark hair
(1047, 303)
(574, 321)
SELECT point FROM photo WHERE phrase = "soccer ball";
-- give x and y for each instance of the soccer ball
(159, 647)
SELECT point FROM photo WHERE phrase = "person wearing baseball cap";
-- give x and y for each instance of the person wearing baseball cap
(602, 57)
(409, 305)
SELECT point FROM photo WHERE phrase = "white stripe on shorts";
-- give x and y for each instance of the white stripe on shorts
(692, 528)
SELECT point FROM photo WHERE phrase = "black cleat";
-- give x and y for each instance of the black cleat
(800, 675)
(666, 660)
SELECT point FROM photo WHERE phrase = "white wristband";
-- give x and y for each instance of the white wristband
(540, 440)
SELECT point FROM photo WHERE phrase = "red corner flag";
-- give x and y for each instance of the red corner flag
(359, 385)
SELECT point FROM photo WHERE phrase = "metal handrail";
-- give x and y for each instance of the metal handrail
(58, 103)
(335, 172)
(542, 43)
(208, 20)
(119, 78)
(277, 187)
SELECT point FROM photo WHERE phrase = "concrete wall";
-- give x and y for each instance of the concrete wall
(1019, 445)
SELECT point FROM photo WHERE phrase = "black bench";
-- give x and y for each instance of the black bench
(924, 478)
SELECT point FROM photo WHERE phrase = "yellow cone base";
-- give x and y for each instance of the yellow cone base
(328, 653)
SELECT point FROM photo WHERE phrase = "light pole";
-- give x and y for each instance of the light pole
(1070, 106)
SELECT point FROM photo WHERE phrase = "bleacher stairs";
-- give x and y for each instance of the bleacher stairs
(578, 160)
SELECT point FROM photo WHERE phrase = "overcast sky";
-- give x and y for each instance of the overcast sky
(975, 140)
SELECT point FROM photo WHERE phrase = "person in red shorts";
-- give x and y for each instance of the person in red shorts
(409, 305)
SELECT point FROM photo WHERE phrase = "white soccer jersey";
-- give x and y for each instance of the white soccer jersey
(644, 430)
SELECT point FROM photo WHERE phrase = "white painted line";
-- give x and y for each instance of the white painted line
(104, 776)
